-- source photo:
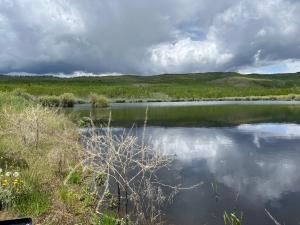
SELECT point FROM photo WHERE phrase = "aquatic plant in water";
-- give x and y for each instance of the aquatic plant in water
(232, 218)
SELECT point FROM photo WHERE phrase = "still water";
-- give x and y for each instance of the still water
(246, 157)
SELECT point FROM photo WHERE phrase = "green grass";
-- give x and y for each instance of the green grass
(34, 202)
(106, 219)
(161, 87)
(50, 101)
(75, 177)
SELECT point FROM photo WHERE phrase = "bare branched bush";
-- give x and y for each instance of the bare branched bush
(129, 169)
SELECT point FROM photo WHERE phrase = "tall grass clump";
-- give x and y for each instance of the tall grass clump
(98, 101)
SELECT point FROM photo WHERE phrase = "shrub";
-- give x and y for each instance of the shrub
(64, 100)
(98, 100)
(67, 100)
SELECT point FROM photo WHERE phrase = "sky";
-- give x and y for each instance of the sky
(94, 37)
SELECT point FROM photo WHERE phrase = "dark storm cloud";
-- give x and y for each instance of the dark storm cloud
(145, 37)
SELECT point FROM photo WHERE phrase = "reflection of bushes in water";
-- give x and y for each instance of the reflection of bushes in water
(217, 115)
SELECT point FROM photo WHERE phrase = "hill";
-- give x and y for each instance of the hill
(162, 87)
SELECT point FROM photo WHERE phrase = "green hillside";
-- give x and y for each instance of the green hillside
(163, 87)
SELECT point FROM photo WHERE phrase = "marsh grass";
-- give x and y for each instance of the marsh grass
(49, 101)
(64, 100)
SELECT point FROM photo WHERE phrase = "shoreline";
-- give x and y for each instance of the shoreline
(189, 103)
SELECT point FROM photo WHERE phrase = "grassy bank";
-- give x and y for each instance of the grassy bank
(188, 87)
(45, 174)
(38, 149)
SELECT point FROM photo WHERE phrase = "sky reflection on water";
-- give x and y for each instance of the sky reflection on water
(259, 163)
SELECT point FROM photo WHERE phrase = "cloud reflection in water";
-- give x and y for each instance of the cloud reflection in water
(259, 161)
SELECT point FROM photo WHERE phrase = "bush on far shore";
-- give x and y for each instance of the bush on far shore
(67, 100)
(98, 101)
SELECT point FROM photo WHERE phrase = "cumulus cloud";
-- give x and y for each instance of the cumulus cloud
(146, 37)
(188, 55)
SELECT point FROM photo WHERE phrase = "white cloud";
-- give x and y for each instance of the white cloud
(63, 75)
(293, 67)
(189, 55)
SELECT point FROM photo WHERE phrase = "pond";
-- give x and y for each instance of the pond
(246, 156)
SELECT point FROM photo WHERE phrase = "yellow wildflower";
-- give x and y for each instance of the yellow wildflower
(5, 183)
